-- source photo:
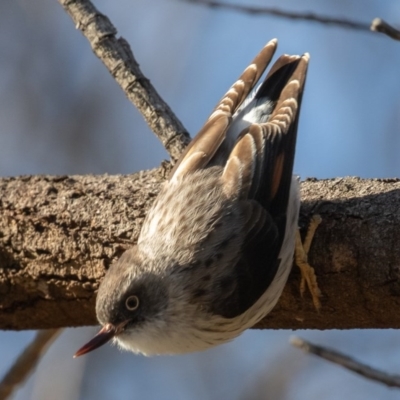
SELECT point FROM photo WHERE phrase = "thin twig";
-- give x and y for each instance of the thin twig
(347, 362)
(117, 56)
(341, 22)
(379, 25)
(27, 361)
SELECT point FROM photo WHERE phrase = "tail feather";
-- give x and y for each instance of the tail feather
(211, 137)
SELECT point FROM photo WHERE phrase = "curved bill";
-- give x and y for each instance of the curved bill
(105, 334)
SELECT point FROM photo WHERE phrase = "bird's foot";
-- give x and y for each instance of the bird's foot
(301, 260)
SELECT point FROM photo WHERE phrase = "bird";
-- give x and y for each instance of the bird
(216, 247)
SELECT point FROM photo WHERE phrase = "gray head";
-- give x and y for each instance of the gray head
(129, 298)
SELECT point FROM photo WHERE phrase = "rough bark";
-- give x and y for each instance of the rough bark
(58, 236)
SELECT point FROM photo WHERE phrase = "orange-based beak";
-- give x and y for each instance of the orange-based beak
(105, 334)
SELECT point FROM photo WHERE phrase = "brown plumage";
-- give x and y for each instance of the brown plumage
(216, 247)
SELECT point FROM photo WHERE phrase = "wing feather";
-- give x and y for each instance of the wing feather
(265, 196)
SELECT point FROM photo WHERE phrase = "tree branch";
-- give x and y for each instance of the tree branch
(379, 25)
(58, 235)
(347, 362)
(118, 58)
(307, 16)
(26, 362)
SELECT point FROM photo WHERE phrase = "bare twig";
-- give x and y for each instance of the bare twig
(27, 361)
(347, 362)
(117, 56)
(340, 22)
(379, 25)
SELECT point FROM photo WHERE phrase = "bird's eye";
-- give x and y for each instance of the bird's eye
(132, 303)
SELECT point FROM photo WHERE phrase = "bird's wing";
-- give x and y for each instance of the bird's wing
(259, 172)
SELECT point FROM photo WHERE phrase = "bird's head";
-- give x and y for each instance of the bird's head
(131, 297)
